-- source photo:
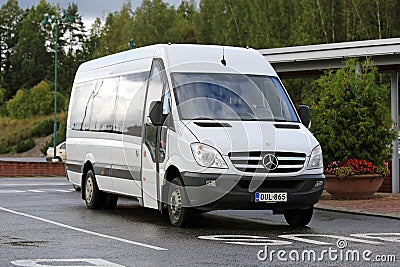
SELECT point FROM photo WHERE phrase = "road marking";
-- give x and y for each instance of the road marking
(33, 184)
(62, 262)
(246, 240)
(65, 191)
(298, 237)
(249, 240)
(83, 230)
(8, 191)
(391, 237)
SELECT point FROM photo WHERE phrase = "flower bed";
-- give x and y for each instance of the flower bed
(355, 167)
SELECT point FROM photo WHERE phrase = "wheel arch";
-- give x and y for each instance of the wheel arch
(171, 172)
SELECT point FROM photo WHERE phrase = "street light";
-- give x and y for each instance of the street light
(49, 21)
(131, 44)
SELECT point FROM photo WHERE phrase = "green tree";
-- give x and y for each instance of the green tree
(117, 31)
(33, 57)
(91, 46)
(154, 23)
(18, 106)
(39, 100)
(10, 17)
(350, 115)
(72, 38)
(3, 108)
(185, 23)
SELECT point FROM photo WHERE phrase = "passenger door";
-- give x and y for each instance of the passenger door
(154, 140)
(128, 128)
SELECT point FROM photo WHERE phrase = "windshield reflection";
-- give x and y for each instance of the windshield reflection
(231, 97)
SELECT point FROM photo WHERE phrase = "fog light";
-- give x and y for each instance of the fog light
(319, 183)
(211, 183)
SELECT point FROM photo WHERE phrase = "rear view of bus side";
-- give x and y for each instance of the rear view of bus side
(187, 128)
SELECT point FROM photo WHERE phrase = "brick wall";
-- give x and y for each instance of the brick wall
(29, 169)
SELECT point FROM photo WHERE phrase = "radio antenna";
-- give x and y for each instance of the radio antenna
(223, 61)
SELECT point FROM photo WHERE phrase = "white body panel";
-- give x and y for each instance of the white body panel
(122, 162)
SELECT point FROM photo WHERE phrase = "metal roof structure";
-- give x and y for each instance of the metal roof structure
(313, 60)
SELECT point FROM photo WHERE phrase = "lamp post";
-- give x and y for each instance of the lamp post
(56, 21)
(131, 44)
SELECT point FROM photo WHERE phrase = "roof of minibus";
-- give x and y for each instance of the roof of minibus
(190, 58)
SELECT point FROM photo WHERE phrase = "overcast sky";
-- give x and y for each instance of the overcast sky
(90, 9)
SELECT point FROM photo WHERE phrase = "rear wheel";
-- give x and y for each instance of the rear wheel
(94, 198)
(77, 188)
(110, 201)
(179, 215)
(299, 217)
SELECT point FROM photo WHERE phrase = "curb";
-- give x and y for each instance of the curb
(357, 211)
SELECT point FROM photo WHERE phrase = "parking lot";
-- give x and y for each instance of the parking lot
(46, 223)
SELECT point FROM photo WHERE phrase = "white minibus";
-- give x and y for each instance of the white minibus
(191, 128)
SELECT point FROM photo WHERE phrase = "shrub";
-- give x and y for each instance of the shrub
(13, 130)
(24, 145)
(39, 100)
(61, 136)
(350, 116)
(42, 128)
(3, 107)
(4, 149)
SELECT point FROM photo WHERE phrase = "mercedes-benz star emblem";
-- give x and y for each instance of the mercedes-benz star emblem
(270, 162)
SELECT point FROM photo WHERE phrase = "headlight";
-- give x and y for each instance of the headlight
(208, 156)
(316, 160)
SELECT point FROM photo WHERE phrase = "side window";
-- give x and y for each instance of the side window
(103, 105)
(166, 103)
(154, 90)
(81, 106)
(129, 105)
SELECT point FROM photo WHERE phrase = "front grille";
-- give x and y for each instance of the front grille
(288, 162)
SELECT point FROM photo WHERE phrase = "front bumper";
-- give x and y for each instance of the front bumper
(211, 192)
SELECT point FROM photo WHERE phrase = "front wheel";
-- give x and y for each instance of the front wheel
(299, 217)
(179, 215)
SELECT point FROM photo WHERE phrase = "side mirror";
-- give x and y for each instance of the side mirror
(305, 117)
(156, 113)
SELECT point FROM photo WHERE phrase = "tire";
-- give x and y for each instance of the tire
(77, 188)
(179, 215)
(299, 217)
(110, 202)
(94, 198)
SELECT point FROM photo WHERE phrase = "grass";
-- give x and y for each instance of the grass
(15, 131)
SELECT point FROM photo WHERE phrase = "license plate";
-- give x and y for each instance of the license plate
(271, 197)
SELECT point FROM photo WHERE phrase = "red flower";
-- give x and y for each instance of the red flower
(357, 166)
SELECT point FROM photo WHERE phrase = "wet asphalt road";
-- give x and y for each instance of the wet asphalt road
(44, 222)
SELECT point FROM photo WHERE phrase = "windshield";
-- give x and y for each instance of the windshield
(231, 97)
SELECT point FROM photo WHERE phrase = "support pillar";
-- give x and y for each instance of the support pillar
(395, 118)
